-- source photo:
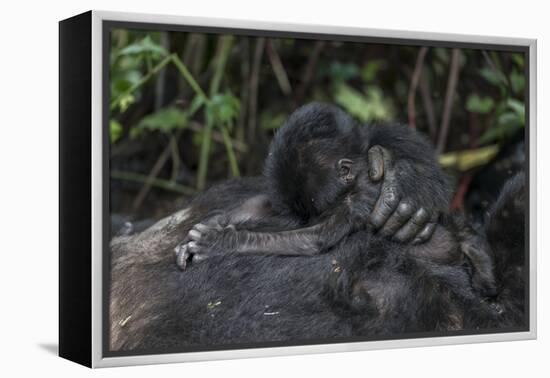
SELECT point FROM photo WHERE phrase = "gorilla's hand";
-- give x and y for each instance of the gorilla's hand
(204, 240)
(398, 214)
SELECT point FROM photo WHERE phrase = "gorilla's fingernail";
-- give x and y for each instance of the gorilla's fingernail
(194, 234)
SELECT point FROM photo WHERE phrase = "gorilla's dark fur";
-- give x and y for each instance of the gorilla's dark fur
(363, 286)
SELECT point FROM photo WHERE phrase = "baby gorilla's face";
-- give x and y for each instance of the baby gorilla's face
(325, 175)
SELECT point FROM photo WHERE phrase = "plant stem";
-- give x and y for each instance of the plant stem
(278, 68)
(414, 85)
(182, 68)
(202, 170)
(223, 49)
(217, 137)
(142, 81)
(156, 182)
(230, 153)
(254, 82)
(222, 53)
(175, 157)
(449, 97)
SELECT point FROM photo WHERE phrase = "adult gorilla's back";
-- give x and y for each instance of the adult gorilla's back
(364, 286)
(225, 299)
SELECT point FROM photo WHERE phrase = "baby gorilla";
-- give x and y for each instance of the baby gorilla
(324, 174)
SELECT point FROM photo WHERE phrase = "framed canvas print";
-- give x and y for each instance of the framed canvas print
(232, 189)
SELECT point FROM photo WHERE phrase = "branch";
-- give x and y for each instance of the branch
(222, 53)
(309, 71)
(159, 183)
(449, 97)
(278, 68)
(414, 85)
(254, 81)
(152, 176)
(142, 81)
(218, 137)
(429, 108)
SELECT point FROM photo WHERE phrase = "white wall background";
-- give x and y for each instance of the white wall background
(28, 184)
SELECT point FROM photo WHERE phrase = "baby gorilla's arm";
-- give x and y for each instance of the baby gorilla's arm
(392, 215)
(213, 238)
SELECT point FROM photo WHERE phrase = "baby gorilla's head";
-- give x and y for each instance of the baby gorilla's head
(311, 160)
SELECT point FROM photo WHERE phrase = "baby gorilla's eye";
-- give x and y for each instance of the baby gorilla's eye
(344, 170)
(344, 167)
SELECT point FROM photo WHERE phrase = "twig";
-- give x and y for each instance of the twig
(182, 68)
(309, 71)
(278, 68)
(174, 150)
(449, 97)
(222, 53)
(428, 106)
(204, 154)
(217, 137)
(458, 198)
(414, 85)
(495, 67)
(245, 73)
(489, 61)
(161, 80)
(142, 81)
(466, 179)
(159, 183)
(254, 81)
(151, 177)
(233, 165)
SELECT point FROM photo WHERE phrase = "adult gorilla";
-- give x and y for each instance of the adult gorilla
(362, 284)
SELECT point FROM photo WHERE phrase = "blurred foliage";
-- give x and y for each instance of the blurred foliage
(165, 120)
(205, 106)
(366, 106)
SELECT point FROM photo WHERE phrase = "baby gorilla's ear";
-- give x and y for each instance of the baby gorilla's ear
(345, 171)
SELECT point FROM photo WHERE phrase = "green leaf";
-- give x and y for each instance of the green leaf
(477, 104)
(507, 124)
(223, 108)
(519, 59)
(468, 159)
(517, 107)
(270, 121)
(496, 78)
(367, 106)
(143, 46)
(517, 80)
(115, 130)
(196, 104)
(165, 120)
(125, 101)
(370, 70)
(340, 72)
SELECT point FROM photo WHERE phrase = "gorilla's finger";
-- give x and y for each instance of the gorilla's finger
(194, 234)
(182, 255)
(376, 163)
(201, 228)
(400, 216)
(425, 234)
(413, 226)
(192, 247)
(200, 257)
(386, 204)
